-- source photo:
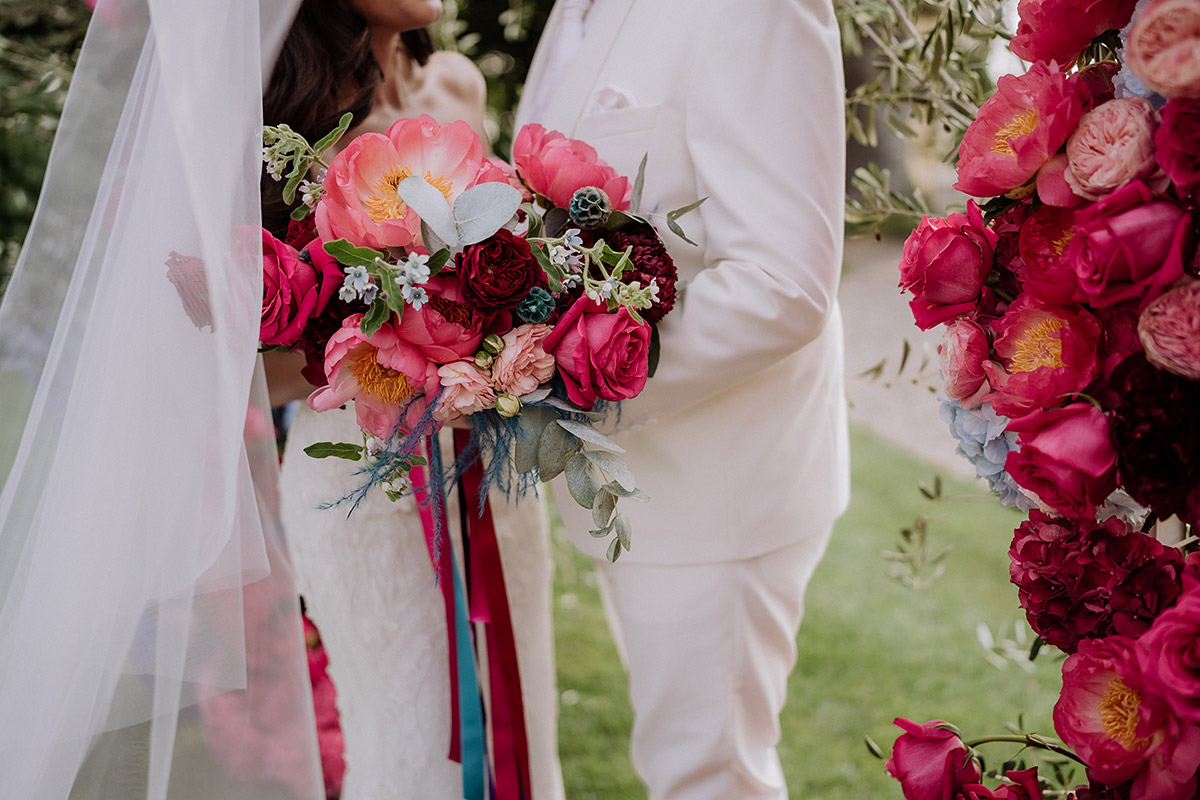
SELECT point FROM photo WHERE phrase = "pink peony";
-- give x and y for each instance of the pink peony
(1046, 273)
(1121, 729)
(600, 354)
(294, 291)
(1045, 353)
(1065, 458)
(383, 374)
(465, 390)
(1162, 47)
(961, 355)
(945, 264)
(1052, 186)
(523, 365)
(556, 167)
(1017, 131)
(1024, 786)
(1129, 245)
(1059, 30)
(1169, 329)
(497, 170)
(361, 203)
(1177, 143)
(330, 741)
(930, 761)
(445, 329)
(1113, 145)
(1169, 655)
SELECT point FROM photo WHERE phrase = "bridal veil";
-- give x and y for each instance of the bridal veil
(149, 640)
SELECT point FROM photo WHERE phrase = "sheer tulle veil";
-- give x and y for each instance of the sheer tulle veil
(149, 640)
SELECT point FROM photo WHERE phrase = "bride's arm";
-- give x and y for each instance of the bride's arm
(284, 382)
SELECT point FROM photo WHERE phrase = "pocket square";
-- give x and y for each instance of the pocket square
(609, 98)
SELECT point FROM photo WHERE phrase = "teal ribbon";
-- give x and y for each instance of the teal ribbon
(470, 707)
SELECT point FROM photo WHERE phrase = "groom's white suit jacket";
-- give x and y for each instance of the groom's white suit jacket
(740, 437)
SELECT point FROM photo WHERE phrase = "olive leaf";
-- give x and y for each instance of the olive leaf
(350, 452)
(679, 212)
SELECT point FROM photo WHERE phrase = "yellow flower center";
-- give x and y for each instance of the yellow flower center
(385, 203)
(1038, 347)
(1020, 125)
(1119, 715)
(1064, 239)
(379, 381)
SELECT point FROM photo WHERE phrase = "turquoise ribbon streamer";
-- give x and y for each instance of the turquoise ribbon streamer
(470, 708)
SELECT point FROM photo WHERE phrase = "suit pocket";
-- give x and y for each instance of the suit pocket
(620, 122)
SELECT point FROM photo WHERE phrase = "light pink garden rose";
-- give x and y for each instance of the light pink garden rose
(445, 329)
(945, 264)
(600, 354)
(523, 365)
(465, 390)
(1162, 47)
(1113, 145)
(1017, 131)
(361, 203)
(1169, 329)
(961, 355)
(556, 167)
(930, 761)
(1059, 30)
(388, 379)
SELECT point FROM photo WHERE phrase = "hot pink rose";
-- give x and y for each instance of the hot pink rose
(556, 167)
(961, 354)
(1045, 353)
(1059, 30)
(1046, 273)
(291, 289)
(465, 390)
(1162, 47)
(445, 329)
(1113, 145)
(384, 375)
(1177, 143)
(600, 354)
(1024, 786)
(361, 203)
(1169, 655)
(1017, 131)
(930, 761)
(1129, 245)
(1065, 457)
(523, 365)
(945, 264)
(1169, 329)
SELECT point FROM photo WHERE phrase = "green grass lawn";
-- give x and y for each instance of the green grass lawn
(871, 649)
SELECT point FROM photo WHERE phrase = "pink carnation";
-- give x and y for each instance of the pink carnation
(523, 365)
(1169, 329)
(556, 167)
(1162, 47)
(465, 390)
(1113, 145)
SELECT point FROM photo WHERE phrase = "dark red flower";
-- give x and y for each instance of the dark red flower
(1024, 786)
(651, 261)
(497, 272)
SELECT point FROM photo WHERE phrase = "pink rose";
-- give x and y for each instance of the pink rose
(1113, 145)
(388, 379)
(445, 329)
(465, 390)
(945, 264)
(1162, 47)
(1129, 245)
(294, 290)
(556, 167)
(1059, 30)
(1024, 786)
(1047, 274)
(1169, 655)
(523, 365)
(1177, 143)
(1169, 329)
(930, 761)
(1044, 353)
(1065, 457)
(961, 354)
(600, 354)
(1017, 131)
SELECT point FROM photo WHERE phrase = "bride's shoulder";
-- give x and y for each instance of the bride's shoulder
(455, 75)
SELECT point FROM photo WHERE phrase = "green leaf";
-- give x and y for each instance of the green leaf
(431, 206)
(330, 139)
(534, 220)
(614, 550)
(554, 273)
(582, 480)
(600, 534)
(590, 435)
(531, 424)
(655, 351)
(554, 451)
(603, 507)
(554, 222)
(614, 466)
(619, 219)
(679, 212)
(352, 256)
(300, 212)
(481, 210)
(373, 320)
(614, 488)
(624, 531)
(289, 188)
(350, 452)
(438, 261)
(635, 198)
(874, 748)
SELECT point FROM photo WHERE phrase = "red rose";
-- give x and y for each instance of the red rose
(1169, 654)
(496, 273)
(1024, 786)
(294, 290)
(945, 264)
(1065, 458)
(1129, 245)
(1177, 144)
(600, 354)
(930, 761)
(1059, 30)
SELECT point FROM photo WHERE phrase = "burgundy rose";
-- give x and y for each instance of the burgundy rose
(930, 761)
(945, 264)
(1059, 30)
(1177, 143)
(1095, 83)
(1064, 457)
(1047, 273)
(295, 289)
(600, 354)
(1169, 654)
(301, 231)
(651, 261)
(1129, 245)
(1024, 786)
(496, 273)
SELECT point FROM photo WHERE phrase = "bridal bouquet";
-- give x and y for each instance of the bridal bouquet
(433, 285)
(1071, 310)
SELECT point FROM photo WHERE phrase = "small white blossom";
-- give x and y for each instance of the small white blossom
(592, 294)
(608, 288)
(375, 446)
(368, 294)
(571, 281)
(310, 193)
(357, 278)
(414, 271)
(571, 237)
(415, 296)
(653, 287)
(560, 255)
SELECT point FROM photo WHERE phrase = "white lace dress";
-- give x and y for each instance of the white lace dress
(370, 590)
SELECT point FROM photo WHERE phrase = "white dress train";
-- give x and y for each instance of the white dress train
(370, 590)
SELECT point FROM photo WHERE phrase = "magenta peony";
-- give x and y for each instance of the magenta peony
(361, 203)
(1169, 329)
(1162, 47)
(1120, 341)
(945, 264)
(1113, 145)
(1177, 143)
(555, 167)
(1047, 274)
(1065, 458)
(600, 354)
(930, 761)
(523, 365)
(1017, 131)
(1023, 786)
(1169, 655)
(961, 355)
(1059, 30)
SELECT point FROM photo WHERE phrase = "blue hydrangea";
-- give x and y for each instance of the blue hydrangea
(983, 440)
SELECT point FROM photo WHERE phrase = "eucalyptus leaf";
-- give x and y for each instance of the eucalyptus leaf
(350, 452)
(352, 256)
(430, 205)
(624, 531)
(373, 320)
(614, 466)
(481, 210)
(330, 139)
(614, 550)
(590, 435)
(603, 507)
(635, 198)
(582, 480)
(554, 451)
(431, 240)
(619, 219)
(536, 396)
(612, 487)
(600, 534)
(530, 424)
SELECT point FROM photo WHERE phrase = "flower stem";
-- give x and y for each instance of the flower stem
(1029, 740)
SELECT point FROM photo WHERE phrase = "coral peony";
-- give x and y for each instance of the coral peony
(945, 264)
(1059, 30)
(523, 365)
(1162, 47)
(1169, 329)
(1177, 143)
(1017, 131)
(930, 761)
(1046, 273)
(555, 167)
(360, 202)
(1065, 458)
(1169, 655)
(444, 329)
(1113, 145)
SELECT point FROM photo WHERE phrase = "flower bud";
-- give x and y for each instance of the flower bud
(484, 359)
(493, 344)
(508, 405)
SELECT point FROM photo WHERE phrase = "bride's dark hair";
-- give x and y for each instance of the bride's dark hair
(326, 68)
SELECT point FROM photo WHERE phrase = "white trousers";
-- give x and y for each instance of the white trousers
(709, 648)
